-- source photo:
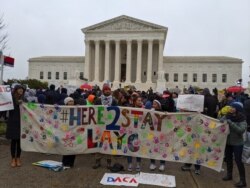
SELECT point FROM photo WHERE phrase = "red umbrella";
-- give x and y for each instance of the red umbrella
(86, 87)
(235, 89)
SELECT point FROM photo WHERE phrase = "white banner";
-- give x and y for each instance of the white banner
(193, 103)
(6, 102)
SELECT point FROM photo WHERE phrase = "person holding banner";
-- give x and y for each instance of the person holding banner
(106, 99)
(13, 126)
(234, 148)
(137, 103)
(68, 160)
(157, 107)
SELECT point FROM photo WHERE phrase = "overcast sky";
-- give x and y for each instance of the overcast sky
(195, 27)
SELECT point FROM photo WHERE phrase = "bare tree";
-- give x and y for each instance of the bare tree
(3, 34)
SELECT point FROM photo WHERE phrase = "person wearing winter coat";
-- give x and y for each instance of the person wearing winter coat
(14, 126)
(105, 99)
(234, 147)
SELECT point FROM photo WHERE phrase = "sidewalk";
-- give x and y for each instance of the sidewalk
(83, 176)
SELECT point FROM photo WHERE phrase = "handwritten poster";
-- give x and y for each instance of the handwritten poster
(191, 102)
(6, 102)
(179, 137)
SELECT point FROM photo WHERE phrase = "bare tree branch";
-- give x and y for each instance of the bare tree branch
(3, 35)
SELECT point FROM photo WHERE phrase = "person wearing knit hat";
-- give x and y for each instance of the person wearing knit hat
(235, 142)
(69, 101)
(106, 87)
(106, 99)
(68, 160)
(90, 99)
(157, 107)
(238, 106)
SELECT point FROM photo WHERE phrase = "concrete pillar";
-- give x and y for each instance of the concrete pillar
(87, 68)
(97, 61)
(128, 62)
(139, 59)
(150, 59)
(160, 62)
(117, 62)
(107, 61)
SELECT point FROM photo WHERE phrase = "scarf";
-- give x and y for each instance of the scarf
(106, 100)
(239, 117)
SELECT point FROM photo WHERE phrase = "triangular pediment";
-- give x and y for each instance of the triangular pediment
(123, 23)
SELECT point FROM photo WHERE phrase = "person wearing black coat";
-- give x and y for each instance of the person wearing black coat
(14, 126)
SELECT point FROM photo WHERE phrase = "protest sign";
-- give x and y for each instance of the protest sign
(178, 137)
(120, 179)
(6, 102)
(193, 103)
(156, 179)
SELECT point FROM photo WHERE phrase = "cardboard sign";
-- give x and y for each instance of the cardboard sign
(120, 179)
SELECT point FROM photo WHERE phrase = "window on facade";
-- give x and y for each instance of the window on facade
(214, 77)
(57, 75)
(154, 73)
(185, 77)
(81, 76)
(204, 77)
(175, 77)
(224, 78)
(49, 75)
(41, 75)
(194, 77)
(166, 77)
(65, 76)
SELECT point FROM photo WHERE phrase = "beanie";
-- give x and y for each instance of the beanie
(106, 87)
(158, 102)
(68, 99)
(91, 98)
(238, 106)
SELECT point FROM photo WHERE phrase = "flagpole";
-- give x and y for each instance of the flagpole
(1, 62)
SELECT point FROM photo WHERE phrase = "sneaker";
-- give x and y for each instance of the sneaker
(138, 167)
(197, 172)
(186, 168)
(162, 167)
(152, 166)
(130, 169)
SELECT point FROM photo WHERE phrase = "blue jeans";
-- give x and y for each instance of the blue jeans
(129, 159)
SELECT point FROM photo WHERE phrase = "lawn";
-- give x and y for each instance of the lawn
(2, 128)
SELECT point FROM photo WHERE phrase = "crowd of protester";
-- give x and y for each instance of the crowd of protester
(231, 107)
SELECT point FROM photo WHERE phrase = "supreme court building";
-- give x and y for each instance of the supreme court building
(128, 51)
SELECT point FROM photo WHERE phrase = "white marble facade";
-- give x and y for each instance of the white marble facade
(129, 51)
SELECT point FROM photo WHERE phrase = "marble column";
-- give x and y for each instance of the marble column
(97, 61)
(128, 61)
(117, 62)
(107, 61)
(160, 62)
(150, 56)
(87, 68)
(139, 59)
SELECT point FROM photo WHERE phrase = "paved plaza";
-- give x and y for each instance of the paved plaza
(83, 176)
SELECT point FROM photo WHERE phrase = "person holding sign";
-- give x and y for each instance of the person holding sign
(234, 148)
(13, 126)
